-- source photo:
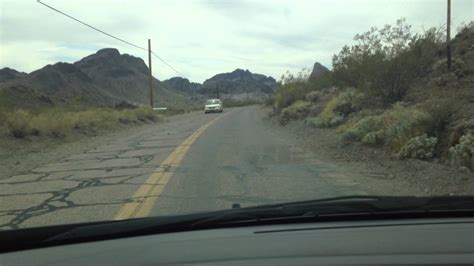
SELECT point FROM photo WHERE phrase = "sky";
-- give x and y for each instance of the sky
(201, 38)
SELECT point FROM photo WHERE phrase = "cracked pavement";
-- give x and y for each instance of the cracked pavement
(239, 158)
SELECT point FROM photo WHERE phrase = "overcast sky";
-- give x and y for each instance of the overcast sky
(203, 38)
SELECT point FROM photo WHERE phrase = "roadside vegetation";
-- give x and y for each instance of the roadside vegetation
(392, 90)
(59, 122)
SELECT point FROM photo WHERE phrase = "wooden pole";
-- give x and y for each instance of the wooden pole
(448, 36)
(151, 75)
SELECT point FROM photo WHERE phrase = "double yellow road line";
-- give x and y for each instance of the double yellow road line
(147, 194)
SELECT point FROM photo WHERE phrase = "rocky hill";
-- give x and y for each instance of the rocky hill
(7, 74)
(182, 84)
(318, 71)
(104, 78)
(239, 82)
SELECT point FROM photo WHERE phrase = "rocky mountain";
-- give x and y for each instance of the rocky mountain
(239, 81)
(108, 78)
(104, 78)
(182, 84)
(7, 74)
(318, 71)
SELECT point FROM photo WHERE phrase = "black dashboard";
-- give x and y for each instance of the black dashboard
(409, 241)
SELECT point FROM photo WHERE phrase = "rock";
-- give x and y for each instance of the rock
(318, 71)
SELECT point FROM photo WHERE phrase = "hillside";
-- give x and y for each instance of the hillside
(104, 78)
(398, 97)
(239, 81)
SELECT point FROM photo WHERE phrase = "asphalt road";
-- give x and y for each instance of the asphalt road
(194, 162)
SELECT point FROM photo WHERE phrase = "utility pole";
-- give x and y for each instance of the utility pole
(151, 75)
(448, 36)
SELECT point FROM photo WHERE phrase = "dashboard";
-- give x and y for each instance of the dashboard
(444, 241)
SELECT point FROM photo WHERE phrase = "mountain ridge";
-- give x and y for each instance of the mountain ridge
(104, 78)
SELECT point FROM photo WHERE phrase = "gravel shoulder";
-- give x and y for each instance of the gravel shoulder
(415, 176)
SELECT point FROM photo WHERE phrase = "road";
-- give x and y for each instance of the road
(194, 162)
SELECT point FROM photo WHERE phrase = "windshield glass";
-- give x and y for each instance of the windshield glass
(212, 102)
(102, 115)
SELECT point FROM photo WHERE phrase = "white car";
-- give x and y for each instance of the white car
(213, 105)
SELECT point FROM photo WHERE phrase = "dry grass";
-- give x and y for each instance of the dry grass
(393, 128)
(59, 122)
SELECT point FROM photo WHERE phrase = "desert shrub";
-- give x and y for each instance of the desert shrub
(462, 154)
(441, 110)
(339, 107)
(420, 147)
(440, 67)
(394, 127)
(313, 96)
(144, 114)
(18, 123)
(385, 61)
(297, 110)
(292, 88)
(373, 138)
(289, 93)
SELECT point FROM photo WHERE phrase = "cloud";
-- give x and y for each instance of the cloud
(200, 37)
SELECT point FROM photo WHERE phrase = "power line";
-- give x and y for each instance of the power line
(110, 35)
(170, 66)
(92, 27)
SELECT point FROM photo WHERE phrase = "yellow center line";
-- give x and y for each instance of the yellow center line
(147, 194)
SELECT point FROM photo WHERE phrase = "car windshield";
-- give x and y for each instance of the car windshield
(102, 115)
(212, 102)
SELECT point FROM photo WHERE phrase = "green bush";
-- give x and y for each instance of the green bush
(313, 96)
(462, 154)
(314, 122)
(420, 147)
(394, 127)
(339, 107)
(385, 61)
(297, 110)
(373, 138)
(289, 93)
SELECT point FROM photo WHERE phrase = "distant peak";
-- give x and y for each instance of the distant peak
(317, 64)
(8, 69)
(111, 51)
(318, 71)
